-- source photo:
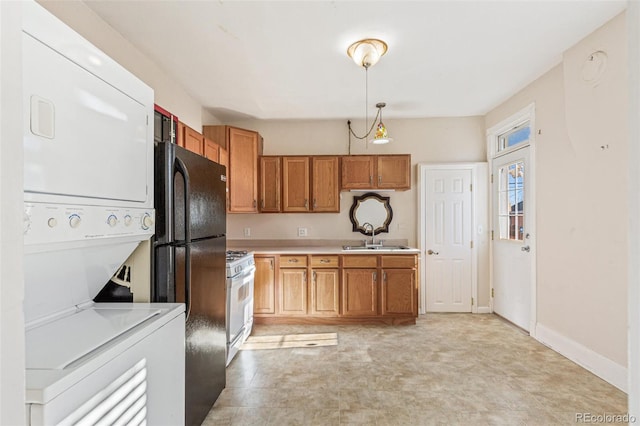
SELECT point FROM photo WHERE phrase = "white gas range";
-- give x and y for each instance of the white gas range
(240, 278)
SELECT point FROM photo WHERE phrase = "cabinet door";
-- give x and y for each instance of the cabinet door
(243, 171)
(211, 150)
(180, 134)
(325, 292)
(357, 172)
(293, 291)
(193, 140)
(359, 292)
(264, 292)
(295, 184)
(394, 172)
(324, 188)
(270, 177)
(399, 292)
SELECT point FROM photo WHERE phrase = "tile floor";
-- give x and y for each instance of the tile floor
(447, 369)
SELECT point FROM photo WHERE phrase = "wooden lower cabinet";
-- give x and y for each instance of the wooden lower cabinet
(359, 292)
(264, 292)
(334, 289)
(292, 291)
(325, 292)
(398, 292)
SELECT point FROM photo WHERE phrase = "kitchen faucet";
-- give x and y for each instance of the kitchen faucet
(373, 235)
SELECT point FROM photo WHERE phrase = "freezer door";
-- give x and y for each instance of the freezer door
(205, 296)
(189, 195)
(205, 198)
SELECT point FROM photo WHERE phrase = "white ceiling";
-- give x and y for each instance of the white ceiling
(287, 59)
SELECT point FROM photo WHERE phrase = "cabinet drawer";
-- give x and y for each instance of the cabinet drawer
(359, 261)
(324, 261)
(293, 261)
(398, 261)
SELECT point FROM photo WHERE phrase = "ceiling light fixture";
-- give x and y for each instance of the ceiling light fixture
(366, 53)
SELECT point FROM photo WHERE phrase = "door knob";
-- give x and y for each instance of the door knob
(525, 248)
(431, 252)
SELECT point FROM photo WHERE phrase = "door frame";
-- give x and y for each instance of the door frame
(479, 224)
(525, 114)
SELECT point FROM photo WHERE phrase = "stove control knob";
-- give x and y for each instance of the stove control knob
(147, 221)
(127, 220)
(52, 222)
(112, 220)
(74, 220)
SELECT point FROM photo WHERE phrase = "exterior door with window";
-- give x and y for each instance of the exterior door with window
(511, 241)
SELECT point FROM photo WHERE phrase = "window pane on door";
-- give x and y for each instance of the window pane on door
(511, 201)
(515, 136)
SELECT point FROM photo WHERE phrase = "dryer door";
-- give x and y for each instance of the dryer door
(83, 137)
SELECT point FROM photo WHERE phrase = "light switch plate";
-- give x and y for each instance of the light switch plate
(302, 232)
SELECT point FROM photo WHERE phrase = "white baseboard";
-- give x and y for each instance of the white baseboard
(599, 365)
(483, 310)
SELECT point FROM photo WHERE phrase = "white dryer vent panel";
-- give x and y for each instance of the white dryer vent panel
(82, 136)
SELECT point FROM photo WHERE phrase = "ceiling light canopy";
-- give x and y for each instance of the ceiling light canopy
(367, 52)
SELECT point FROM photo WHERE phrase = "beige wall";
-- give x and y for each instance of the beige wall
(582, 194)
(168, 93)
(427, 140)
(633, 30)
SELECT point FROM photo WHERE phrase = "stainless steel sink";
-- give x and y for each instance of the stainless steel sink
(367, 248)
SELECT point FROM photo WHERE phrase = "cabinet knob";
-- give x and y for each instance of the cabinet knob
(324, 261)
(315, 205)
(306, 203)
(379, 178)
(293, 260)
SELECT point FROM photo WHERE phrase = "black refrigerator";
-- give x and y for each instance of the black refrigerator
(189, 265)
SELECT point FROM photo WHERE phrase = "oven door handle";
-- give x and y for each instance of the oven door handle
(182, 170)
(243, 277)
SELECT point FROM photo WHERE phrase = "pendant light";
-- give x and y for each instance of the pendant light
(366, 53)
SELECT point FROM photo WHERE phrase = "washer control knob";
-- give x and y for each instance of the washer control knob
(52, 222)
(112, 220)
(74, 220)
(127, 220)
(147, 221)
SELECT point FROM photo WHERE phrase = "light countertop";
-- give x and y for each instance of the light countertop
(313, 247)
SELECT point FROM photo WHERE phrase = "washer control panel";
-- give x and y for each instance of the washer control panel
(52, 223)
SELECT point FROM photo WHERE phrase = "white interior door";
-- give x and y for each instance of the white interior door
(511, 240)
(448, 225)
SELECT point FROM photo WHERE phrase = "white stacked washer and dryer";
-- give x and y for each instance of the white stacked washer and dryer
(88, 203)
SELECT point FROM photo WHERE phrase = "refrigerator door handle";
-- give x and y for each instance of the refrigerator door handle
(182, 170)
(187, 280)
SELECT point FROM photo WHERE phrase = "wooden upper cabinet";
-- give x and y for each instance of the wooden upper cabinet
(211, 150)
(193, 141)
(243, 147)
(270, 188)
(295, 184)
(376, 172)
(325, 190)
(394, 172)
(180, 134)
(357, 171)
